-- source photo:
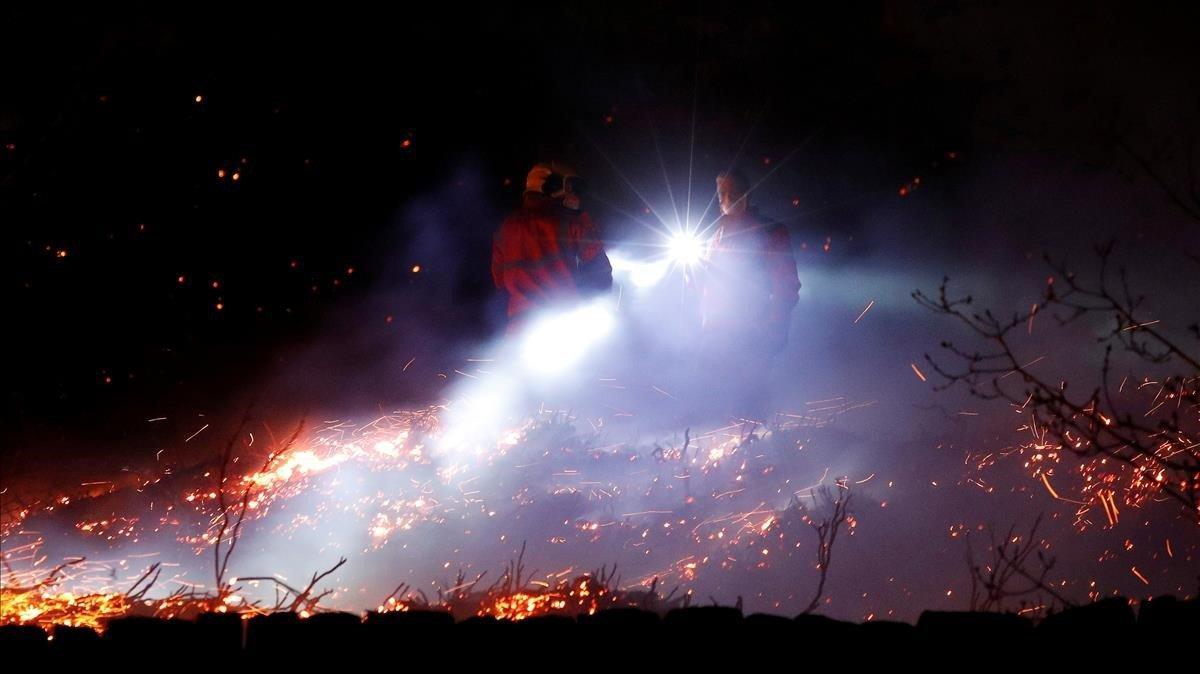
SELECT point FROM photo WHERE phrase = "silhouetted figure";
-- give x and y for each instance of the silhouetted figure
(748, 287)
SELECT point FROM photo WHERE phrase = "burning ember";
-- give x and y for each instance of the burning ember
(511, 599)
(1111, 482)
(408, 479)
(745, 500)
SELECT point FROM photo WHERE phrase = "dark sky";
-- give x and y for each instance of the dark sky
(138, 269)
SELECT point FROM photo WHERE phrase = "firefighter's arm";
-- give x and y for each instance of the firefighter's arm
(595, 269)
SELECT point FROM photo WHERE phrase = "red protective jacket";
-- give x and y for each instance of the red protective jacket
(545, 253)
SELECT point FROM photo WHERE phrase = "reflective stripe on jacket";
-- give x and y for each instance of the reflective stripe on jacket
(544, 252)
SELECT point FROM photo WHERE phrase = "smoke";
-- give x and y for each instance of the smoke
(599, 434)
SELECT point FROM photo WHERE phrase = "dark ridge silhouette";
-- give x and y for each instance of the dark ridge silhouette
(134, 635)
(332, 631)
(1108, 619)
(1169, 619)
(822, 628)
(767, 621)
(286, 635)
(272, 633)
(703, 616)
(886, 632)
(23, 641)
(630, 618)
(410, 619)
(71, 642)
(973, 628)
(221, 632)
(547, 625)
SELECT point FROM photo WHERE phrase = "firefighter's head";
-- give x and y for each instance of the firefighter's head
(733, 192)
(556, 180)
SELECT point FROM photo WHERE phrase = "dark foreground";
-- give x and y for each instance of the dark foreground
(688, 634)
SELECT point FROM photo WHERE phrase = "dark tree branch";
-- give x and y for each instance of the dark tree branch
(1093, 424)
(827, 530)
(994, 584)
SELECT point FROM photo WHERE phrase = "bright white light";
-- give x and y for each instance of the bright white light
(478, 414)
(642, 274)
(685, 248)
(557, 342)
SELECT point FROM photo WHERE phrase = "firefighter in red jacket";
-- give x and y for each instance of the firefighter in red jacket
(548, 250)
(750, 283)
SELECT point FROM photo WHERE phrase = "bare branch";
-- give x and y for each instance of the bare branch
(827, 531)
(994, 585)
(1161, 447)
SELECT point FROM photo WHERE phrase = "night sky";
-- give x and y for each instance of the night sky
(203, 210)
(186, 195)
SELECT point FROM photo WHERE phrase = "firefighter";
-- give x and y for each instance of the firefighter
(750, 283)
(548, 250)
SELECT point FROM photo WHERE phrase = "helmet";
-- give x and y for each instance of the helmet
(556, 180)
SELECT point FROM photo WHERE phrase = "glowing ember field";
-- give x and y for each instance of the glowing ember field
(565, 513)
